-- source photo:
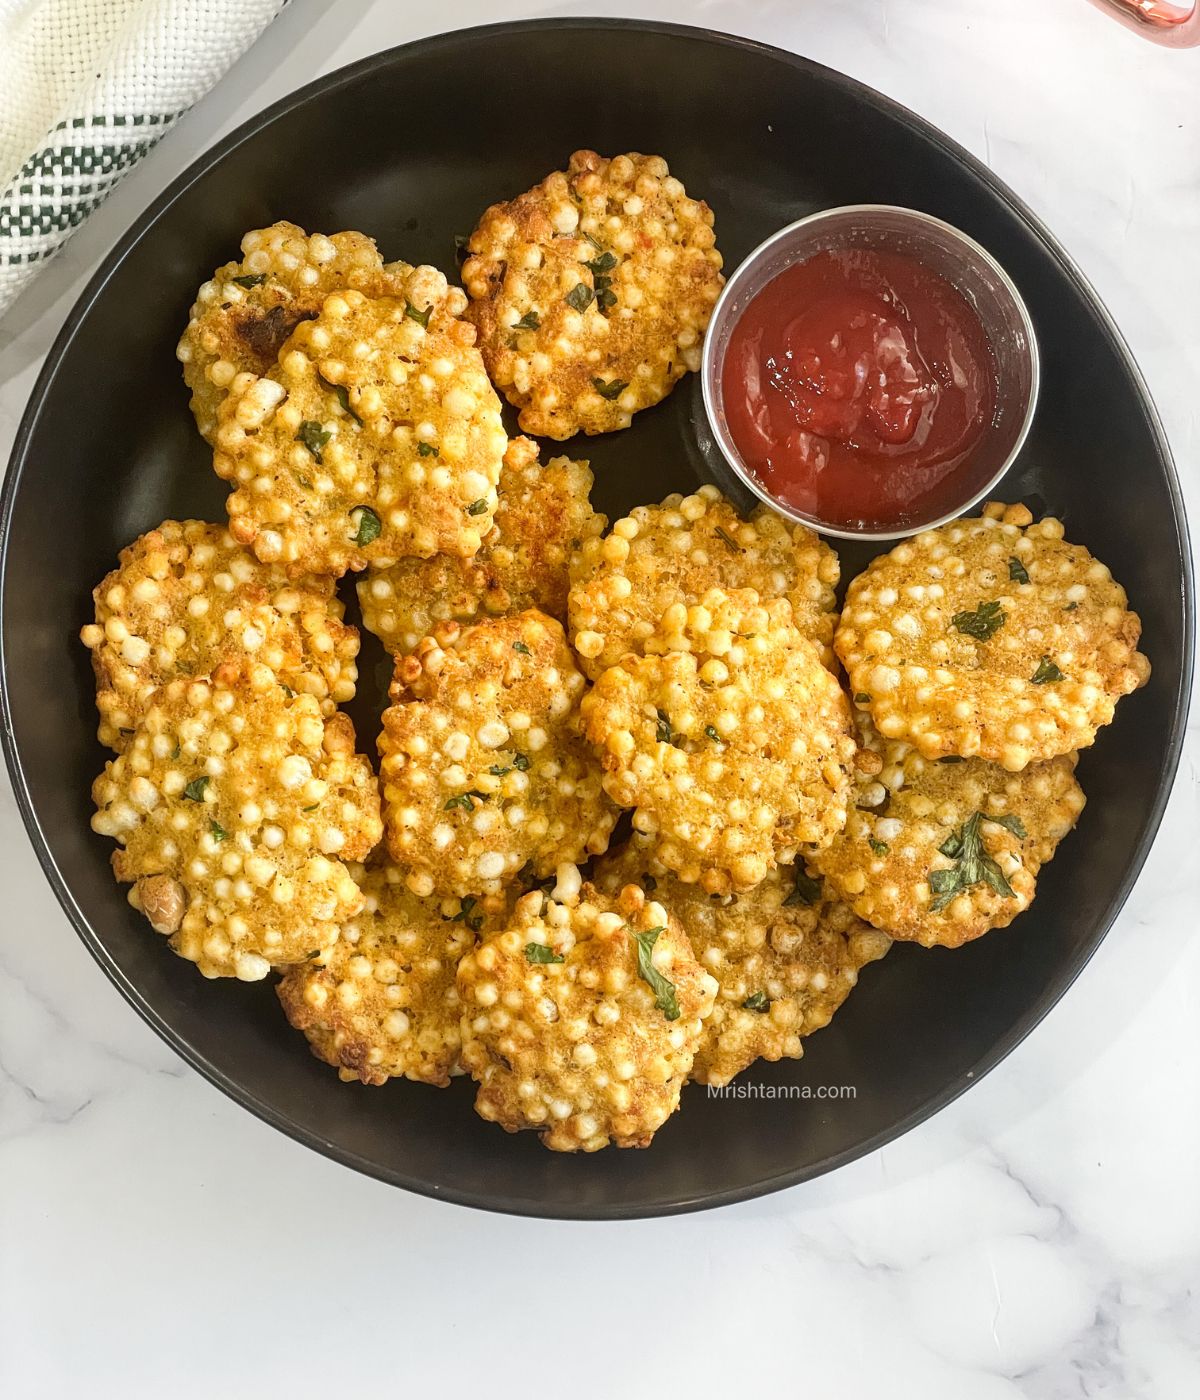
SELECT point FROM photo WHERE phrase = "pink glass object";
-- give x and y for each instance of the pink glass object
(1172, 22)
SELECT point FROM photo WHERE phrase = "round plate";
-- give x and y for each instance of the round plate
(107, 449)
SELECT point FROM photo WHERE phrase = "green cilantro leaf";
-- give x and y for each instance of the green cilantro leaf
(579, 298)
(194, 792)
(1046, 671)
(664, 991)
(370, 527)
(984, 622)
(757, 1001)
(542, 953)
(972, 866)
(1017, 571)
(342, 394)
(531, 321)
(250, 279)
(420, 317)
(610, 389)
(662, 729)
(314, 437)
(466, 914)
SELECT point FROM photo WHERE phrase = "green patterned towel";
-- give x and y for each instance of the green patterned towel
(86, 88)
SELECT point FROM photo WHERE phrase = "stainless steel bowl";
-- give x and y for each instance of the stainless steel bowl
(970, 269)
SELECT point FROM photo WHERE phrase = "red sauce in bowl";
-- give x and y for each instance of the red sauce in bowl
(857, 385)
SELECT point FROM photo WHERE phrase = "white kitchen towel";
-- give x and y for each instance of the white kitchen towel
(86, 88)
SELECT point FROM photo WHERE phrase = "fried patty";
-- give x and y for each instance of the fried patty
(376, 436)
(784, 955)
(235, 807)
(484, 767)
(581, 1019)
(245, 312)
(544, 514)
(185, 599)
(591, 292)
(674, 553)
(729, 738)
(383, 1002)
(939, 851)
(990, 638)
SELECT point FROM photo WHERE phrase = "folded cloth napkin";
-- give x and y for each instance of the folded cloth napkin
(86, 88)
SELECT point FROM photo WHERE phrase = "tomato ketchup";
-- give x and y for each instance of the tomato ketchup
(857, 385)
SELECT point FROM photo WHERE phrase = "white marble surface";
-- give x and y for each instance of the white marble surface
(1041, 1237)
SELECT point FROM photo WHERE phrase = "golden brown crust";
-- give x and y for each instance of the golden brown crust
(578, 1044)
(235, 805)
(675, 552)
(591, 292)
(376, 436)
(484, 766)
(729, 738)
(990, 638)
(785, 957)
(383, 1001)
(186, 598)
(544, 514)
(897, 864)
(247, 309)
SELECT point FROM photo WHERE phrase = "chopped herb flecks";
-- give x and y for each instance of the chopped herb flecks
(426, 449)
(879, 847)
(662, 729)
(664, 991)
(342, 394)
(420, 317)
(194, 792)
(478, 507)
(610, 389)
(466, 914)
(1017, 571)
(972, 866)
(522, 648)
(541, 953)
(579, 298)
(314, 436)
(370, 527)
(806, 890)
(757, 1001)
(529, 322)
(467, 800)
(984, 622)
(250, 279)
(217, 831)
(1046, 671)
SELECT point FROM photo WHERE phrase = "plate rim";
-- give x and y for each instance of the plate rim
(126, 244)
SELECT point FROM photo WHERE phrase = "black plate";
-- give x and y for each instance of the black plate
(107, 449)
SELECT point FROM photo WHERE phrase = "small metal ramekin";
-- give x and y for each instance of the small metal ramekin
(970, 269)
